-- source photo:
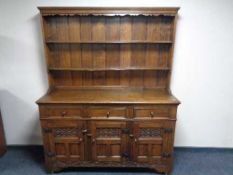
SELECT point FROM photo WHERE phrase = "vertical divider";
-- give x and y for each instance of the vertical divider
(98, 34)
(171, 51)
(45, 30)
(125, 49)
(86, 49)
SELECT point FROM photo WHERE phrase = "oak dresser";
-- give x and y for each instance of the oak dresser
(2, 138)
(109, 102)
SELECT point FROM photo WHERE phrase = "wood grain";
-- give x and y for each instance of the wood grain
(109, 103)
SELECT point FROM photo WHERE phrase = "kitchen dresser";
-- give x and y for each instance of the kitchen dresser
(2, 138)
(108, 102)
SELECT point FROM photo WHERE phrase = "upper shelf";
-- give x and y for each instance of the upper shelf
(108, 11)
(110, 69)
(109, 42)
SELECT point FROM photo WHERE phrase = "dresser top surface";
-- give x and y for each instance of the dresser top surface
(108, 96)
(171, 11)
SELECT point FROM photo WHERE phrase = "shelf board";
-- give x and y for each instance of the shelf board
(107, 95)
(108, 69)
(109, 42)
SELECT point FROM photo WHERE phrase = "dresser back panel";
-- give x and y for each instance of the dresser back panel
(96, 28)
(148, 79)
(124, 51)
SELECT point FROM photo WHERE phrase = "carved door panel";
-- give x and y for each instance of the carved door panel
(109, 141)
(66, 141)
(150, 141)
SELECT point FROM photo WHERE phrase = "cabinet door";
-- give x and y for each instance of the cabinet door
(66, 143)
(152, 141)
(109, 141)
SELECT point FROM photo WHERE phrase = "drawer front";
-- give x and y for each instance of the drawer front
(61, 111)
(107, 112)
(152, 111)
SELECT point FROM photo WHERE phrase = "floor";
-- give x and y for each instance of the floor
(188, 161)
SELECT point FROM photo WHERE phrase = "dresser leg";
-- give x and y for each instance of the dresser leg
(53, 170)
(49, 170)
(168, 172)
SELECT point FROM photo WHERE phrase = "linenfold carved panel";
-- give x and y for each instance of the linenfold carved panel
(150, 132)
(66, 132)
(108, 132)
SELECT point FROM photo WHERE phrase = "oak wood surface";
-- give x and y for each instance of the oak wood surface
(108, 96)
(109, 101)
(109, 11)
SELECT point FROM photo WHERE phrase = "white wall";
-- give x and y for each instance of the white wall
(202, 77)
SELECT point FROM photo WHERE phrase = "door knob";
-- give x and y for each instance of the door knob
(152, 114)
(125, 154)
(84, 131)
(64, 113)
(131, 136)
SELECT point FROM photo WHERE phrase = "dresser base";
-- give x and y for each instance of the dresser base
(59, 166)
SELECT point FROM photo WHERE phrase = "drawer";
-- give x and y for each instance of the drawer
(152, 111)
(60, 111)
(107, 112)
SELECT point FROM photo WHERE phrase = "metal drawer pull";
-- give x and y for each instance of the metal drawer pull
(47, 130)
(108, 113)
(131, 136)
(84, 131)
(126, 155)
(63, 113)
(152, 114)
(80, 139)
(93, 140)
(50, 154)
(168, 130)
(135, 140)
(166, 155)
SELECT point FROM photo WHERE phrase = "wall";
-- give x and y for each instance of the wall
(202, 76)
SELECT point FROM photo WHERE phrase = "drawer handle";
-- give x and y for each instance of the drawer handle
(63, 113)
(152, 114)
(80, 139)
(166, 155)
(50, 154)
(89, 135)
(126, 155)
(131, 136)
(47, 130)
(108, 113)
(84, 131)
(93, 140)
